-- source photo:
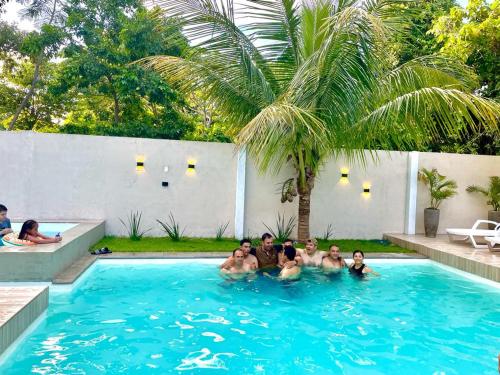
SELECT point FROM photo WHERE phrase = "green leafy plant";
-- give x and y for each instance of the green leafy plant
(439, 187)
(172, 228)
(492, 192)
(133, 226)
(284, 228)
(328, 234)
(221, 229)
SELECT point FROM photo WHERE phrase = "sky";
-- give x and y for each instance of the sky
(12, 8)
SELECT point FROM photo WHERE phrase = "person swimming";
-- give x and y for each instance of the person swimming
(239, 268)
(290, 273)
(333, 262)
(358, 268)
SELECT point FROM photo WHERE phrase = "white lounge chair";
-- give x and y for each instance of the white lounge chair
(493, 243)
(464, 234)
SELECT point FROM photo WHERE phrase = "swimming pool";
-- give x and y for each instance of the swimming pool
(150, 317)
(49, 229)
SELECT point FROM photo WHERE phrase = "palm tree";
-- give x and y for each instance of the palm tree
(302, 81)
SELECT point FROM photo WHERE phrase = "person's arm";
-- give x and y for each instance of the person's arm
(5, 231)
(369, 270)
(41, 235)
(41, 241)
(299, 260)
(228, 263)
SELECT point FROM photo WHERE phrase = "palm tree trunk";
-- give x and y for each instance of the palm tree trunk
(29, 94)
(304, 211)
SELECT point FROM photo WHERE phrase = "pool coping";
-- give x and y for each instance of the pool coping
(459, 255)
(20, 307)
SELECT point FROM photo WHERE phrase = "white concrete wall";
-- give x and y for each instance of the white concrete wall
(71, 177)
(462, 210)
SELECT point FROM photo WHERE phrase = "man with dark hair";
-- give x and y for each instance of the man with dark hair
(266, 253)
(290, 273)
(251, 260)
(5, 226)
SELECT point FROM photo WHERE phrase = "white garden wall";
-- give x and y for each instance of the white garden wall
(72, 177)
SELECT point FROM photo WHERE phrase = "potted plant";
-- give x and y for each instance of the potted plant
(492, 193)
(440, 189)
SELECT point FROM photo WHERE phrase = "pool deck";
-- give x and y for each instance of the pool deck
(460, 255)
(19, 308)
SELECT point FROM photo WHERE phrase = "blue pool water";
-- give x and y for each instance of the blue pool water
(49, 229)
(149, 318)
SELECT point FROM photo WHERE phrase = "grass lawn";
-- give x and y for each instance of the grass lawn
(162, 244)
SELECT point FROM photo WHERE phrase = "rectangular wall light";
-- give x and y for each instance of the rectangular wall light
(139, 163)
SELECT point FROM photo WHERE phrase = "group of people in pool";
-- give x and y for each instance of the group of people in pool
(288, 259)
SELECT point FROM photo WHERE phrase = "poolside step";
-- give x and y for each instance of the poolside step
(71, 273)
(19, 307)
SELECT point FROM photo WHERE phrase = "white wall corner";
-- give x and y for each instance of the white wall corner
(239, 207)
(411, 193)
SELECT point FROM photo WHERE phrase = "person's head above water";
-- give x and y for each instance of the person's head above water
(3, 212)
(29, 227)
(334, 251)
(239, 257)
(267, 241)
(311, 245)
(245, 246)
(290, 252)
(358, 256)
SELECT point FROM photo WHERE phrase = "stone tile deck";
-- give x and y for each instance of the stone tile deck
(461, 255)
(19, 307)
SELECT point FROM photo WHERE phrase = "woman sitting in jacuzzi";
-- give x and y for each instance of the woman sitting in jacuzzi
(29, 232)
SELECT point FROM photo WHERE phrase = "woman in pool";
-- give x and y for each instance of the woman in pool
(358, 268)
(29, 232)
(333, 261)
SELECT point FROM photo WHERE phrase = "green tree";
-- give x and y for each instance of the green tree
(472, 35)
(106, 36)
(40, 46)
(417, 41)
(305, 81)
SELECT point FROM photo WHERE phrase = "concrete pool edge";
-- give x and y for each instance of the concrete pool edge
(45, 262)
(24, 307)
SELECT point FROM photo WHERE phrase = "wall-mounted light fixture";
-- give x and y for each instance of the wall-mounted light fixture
(191, 167)
(344, 175)
(366, 190)
(139, 163)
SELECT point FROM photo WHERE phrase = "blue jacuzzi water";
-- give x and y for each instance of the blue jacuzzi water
(147, 318)
(49, 229)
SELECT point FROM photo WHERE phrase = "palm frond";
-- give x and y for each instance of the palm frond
(281, 130)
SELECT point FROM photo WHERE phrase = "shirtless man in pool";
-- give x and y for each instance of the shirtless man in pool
(251, 260)
(239, 268)
(311, 256)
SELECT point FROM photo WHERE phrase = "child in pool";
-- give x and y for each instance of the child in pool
(29, 231)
